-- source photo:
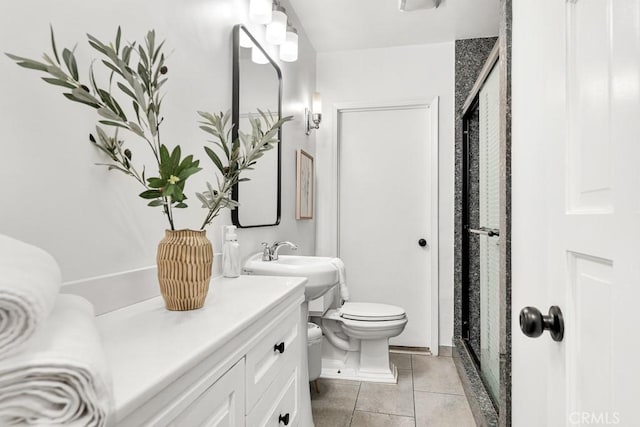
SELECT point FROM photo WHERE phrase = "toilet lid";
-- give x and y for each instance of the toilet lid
(371, 311)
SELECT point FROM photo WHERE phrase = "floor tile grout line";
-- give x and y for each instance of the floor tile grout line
(440, 392)
(355, 405)
(384, 413)
(413, 388)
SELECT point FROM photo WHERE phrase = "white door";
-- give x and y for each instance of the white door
(576, 209)
(385, 208)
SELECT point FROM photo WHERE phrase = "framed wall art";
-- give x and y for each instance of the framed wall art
(304, 185)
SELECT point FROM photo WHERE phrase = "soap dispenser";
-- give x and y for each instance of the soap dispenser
(231, 253)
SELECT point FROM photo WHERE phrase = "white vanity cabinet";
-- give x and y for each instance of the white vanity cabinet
(235, 362)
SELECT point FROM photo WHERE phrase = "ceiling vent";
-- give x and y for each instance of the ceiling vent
(411, 5)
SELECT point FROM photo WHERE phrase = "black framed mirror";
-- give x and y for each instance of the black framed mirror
(257, 84)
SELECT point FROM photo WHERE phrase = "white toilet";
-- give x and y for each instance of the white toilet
(357, 341)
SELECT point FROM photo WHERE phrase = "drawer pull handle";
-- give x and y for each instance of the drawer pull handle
(279, 348)
(284, 419)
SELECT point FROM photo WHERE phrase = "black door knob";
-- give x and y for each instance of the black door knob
(422, 242)
(284, 419)
(279, 347)
(533, 323)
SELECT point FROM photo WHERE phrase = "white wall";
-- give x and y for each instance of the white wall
(390, 74)
(92, 220)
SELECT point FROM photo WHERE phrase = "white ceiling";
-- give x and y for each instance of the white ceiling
(364, 24)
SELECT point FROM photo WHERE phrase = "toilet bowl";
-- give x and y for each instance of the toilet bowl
(358, 335)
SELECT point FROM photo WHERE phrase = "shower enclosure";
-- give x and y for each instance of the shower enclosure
(481, 234)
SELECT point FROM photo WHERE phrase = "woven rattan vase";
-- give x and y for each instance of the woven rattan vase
(184, 268)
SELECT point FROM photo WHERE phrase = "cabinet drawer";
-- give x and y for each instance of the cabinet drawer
(273, 356)
(221, 405)
(279, 405)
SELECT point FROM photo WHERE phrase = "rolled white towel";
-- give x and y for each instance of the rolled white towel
(29, 282)
(61, 376)
(342, 279)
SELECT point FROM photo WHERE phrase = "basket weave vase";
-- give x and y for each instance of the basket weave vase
(184, 268)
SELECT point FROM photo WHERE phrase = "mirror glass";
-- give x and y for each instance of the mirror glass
(257, 85)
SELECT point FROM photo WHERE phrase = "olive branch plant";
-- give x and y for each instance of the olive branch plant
(138, 71)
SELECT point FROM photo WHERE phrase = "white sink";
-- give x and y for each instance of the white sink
(320, 272)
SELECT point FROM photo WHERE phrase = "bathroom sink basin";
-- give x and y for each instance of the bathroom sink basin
(322, 275)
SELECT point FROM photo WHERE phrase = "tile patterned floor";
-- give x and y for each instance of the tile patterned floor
(428, 393)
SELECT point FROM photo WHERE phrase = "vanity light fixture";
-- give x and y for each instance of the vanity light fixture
(257, 56)
(260, 11)
(277, 28)
(289, 49)
(313, 117)
(245, 41)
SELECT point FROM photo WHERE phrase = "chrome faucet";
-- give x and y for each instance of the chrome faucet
(270, 253)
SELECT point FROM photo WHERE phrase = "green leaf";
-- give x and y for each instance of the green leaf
(136, 108)
(214, 157)
(126, 90)
(82, 101)
(143, 57)
(136, 129)
(28, 63)
(150, 194)
(180, 205)
(203, 199)
(97, 44)
(112, 67)
(53, 44)
(126, 54)
(164, 154)
(156, 182)
(155, 203)
(175, 157)
(158, 49)
(110, 123)
(108, 114)
(153, 123)
(188, 172)
(58, 82)
(151, 41)
(56, 71)
(70, 62)
(118, 35)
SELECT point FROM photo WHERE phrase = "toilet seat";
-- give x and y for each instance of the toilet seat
(365, 311)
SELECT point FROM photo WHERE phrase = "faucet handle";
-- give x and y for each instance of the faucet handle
(266, 252)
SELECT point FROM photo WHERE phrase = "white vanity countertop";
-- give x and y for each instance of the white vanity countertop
(148, 346)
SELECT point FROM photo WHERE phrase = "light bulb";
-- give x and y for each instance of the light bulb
(289, 49)
(316, 105)
(277, 28)
(260, 11)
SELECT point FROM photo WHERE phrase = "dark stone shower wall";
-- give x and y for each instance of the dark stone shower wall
(470, 56)
(474, 239)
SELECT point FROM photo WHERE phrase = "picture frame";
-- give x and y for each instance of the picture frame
(304, 185)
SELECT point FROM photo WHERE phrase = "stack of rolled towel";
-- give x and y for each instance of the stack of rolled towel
(53, 369)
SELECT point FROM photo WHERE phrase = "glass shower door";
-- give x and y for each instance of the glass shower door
(489, 219)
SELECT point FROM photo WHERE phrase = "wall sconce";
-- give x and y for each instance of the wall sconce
(313, 117)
